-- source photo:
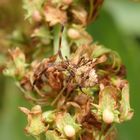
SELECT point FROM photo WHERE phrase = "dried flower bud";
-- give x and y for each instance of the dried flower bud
(54, 15)
(36, 16)
(79, 15)
(81, 99)
(17, 54)
(108, 116)
(35, 125)
(16, 67)
(69, 131)
(73, 33)
(31, 6)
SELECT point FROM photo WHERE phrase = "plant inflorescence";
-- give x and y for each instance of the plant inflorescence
(78, 87)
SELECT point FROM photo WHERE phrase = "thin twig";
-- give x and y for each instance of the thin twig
(58, 96)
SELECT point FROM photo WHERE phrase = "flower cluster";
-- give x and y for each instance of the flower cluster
(80, 91)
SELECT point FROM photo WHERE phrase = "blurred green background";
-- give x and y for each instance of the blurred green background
(117, 27)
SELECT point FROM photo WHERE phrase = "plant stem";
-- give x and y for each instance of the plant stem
(65, 50)
(102, 131)
(58, 96)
